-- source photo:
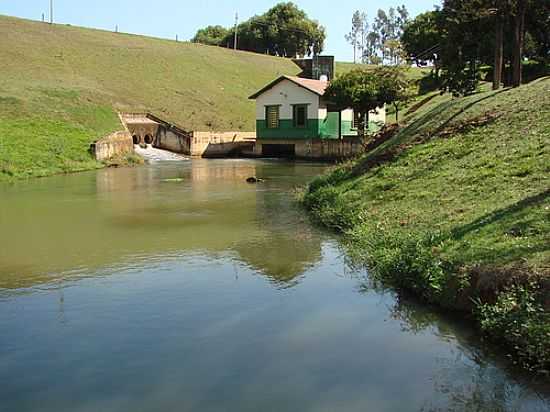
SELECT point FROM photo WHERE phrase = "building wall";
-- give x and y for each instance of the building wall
(321, 124)
(321, 149)
(286, 94)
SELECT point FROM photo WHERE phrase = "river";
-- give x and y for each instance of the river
(177, 286)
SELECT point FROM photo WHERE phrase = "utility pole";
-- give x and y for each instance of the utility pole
(51, 11)
(42, 17)
(236, 24)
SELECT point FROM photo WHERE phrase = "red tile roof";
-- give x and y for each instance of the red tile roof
(315, 86)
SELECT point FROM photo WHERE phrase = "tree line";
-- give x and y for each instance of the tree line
(378, 42)
(284, 30)
(463, 38)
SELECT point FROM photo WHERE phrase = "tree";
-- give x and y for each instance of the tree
(284, 30)
(499, 33)
(394, 86)
(381, 26)
(382, 42)
(365, 90)
(356, 37)
(422, 38)
(211, 35)
(519, 36)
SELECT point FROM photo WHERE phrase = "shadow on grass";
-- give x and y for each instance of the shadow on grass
(514, 221)
(465, 108)
(426, 124)
(501, 214)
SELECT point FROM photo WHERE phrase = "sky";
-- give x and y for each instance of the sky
(168, 18)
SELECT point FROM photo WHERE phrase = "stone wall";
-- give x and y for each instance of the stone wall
(115, 144)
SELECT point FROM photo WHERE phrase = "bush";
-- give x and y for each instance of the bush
(405, 260)
(329, 207)
(518, 317)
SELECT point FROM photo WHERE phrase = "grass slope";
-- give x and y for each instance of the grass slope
(60, 88)
(457, 205)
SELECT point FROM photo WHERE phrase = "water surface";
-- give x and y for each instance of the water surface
(180, 287)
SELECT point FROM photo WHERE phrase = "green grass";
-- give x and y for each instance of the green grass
(60, 88)
(458, 197)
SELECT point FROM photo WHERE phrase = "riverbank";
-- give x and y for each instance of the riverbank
(456, 208)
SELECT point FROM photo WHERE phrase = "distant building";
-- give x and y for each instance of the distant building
(292, 115)
(317, 67)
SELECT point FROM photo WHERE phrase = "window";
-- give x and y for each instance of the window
(272, 117)
(299, 115)
(355, 121)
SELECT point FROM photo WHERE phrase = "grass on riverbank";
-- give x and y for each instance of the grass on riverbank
(456, 207)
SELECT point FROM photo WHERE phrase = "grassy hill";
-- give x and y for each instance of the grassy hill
(60, 88)
(456, 208)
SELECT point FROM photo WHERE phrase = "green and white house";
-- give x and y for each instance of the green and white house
(292, 115)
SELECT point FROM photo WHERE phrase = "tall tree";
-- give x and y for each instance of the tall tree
(519, 36)
(356, 37)
(499, 46)
(381, 26)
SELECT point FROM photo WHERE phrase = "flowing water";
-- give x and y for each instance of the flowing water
(178, 286)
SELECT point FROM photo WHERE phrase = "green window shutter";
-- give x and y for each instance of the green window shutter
(272, 117)
(299, 115)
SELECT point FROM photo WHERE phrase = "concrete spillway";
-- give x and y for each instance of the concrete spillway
(153, 154)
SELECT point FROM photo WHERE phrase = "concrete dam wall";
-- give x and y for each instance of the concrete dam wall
(116, 144)
(150, 129)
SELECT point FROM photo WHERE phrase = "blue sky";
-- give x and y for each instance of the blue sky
(166, 18)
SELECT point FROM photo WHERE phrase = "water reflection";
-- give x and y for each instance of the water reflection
(491, 383)
(78, 223)
(205, 293)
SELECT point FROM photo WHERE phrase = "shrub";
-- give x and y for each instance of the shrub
(406, 260)
(518, 317)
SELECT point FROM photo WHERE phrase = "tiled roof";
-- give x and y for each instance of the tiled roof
(315, 86)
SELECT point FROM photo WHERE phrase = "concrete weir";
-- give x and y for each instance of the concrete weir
(146, 128)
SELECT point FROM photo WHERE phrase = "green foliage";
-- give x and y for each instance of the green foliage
(284, 30)
(211, 35)
(518, 318)
(468, 31)
(406, 260)
(364, 90)
(330, 209)
(421, 38)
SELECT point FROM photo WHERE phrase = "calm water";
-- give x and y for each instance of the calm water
(179, 287)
